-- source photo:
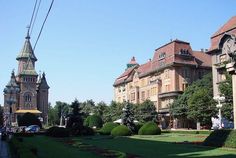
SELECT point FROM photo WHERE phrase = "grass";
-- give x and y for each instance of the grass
(50, 148)
(160, 146)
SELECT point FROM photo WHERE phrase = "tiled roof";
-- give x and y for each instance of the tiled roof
(144, 69)
(228, 27)
(122, 78)
(202, 58)
(175, 52)
(29, 69)
(27, 50)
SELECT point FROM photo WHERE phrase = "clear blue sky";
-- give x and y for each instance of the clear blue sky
(86, 44)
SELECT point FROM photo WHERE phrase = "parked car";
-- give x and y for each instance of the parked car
(32, 129)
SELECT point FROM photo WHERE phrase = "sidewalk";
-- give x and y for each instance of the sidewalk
(4, 153)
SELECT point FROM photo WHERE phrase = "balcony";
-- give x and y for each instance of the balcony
(169, 94)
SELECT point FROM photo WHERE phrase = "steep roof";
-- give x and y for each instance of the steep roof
(125, 76)
(144, 69)
(42, 83)
(29, 68)
(11, 83)
(27, 50)
(228, 27)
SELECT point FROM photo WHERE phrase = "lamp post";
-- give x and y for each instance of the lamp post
(219, 99)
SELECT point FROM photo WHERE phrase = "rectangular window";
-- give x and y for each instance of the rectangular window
(132, 96)
(184, 86)
(143, 95)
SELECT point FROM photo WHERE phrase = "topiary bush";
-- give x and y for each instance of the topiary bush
(93, 121)
(121, 130)
(219, 138)
(58, 132)
(107, 128)
(29, 119)
(149, 128)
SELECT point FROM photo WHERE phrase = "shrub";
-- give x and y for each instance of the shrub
(219, 138)
(58, 132)
(149, 128)
(121, 130)
(87, 131)
(107, 128)
(93, 121)
(29, 119)
(137, 127)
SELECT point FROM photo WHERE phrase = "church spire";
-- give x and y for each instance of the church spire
(27, 50)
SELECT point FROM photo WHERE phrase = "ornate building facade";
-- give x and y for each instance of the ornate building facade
(174, 66)
(220, 58)
(27, 91)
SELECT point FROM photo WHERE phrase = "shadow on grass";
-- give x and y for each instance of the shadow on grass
(159, 149)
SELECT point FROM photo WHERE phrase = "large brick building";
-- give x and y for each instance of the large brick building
(174, 66)
(27, 91)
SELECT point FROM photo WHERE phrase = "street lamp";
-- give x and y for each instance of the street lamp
(219, 99)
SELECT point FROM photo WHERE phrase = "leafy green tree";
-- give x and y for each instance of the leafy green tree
(115, 110)
(75, 121)
(128, 116)
(146, 111)
(226, 90)
(88, 107)
(180, 107)
(52, 116)
(202, 107)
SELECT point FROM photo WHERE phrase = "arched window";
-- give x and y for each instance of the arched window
(27, 97)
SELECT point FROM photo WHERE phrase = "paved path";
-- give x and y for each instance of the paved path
(4, 153)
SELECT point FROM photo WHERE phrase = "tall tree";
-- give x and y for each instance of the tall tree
(146, 111)
(88, 107)
(226, 90)
(75, 121)
(181, 109)
(128, 116)
(202, 107)
(52, 116)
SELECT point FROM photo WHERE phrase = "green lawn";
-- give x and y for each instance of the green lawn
(161, 146)
(50, 148)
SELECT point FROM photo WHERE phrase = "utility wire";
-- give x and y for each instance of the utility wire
(35, 17)
(32, 17)
(43, 24)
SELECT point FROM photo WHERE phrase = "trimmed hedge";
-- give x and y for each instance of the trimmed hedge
(121, 130)
(107, 128)
(219, 138)
(58, 132)
(149, 128)
(93, 121)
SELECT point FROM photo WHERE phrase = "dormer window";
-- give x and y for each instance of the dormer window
(184, 52)
(162, 55)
